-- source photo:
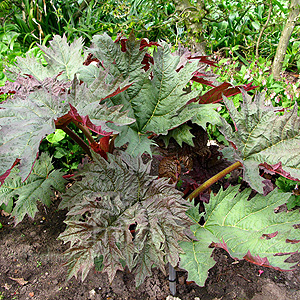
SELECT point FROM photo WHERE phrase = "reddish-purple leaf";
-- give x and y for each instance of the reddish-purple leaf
(268, 186)
(3, 176)
(122, 40)
(90, 58)
(126, 194)
(27, 84)
(102, 147)
(269, 235)
(67, 176)
(215, 94)
(85, 120)
(276, 169)
(263, 138)
(260, 261)
(186, 55)
(292, 241)
(63, 121)
(123, 44)
(118, 91)
(143, 44)
(146, 43)
(146, 61)
(203, 59)
(201, 80)
(119, 37)
(24, 123)
(221, 245)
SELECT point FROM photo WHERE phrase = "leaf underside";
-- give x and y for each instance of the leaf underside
(246, 229)
(113, 196)
(264, 138)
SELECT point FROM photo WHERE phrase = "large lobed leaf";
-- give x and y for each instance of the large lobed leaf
(246, 229)
(38, 186)
(84, 106)
(262, 137)
(61, 57)
(157, 108)
(36, 112)
(113, 196)
(24, 123)
(158, 98)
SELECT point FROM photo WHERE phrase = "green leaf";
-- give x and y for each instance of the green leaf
(137, 143)
(293, 202)
(56, 137)
(180, 134)
(157, 98)
(60, 152)
(9, 207)
(156, 107)
(98, 261)
(246, 229)
(36, 188)
(64, 57)
(31, 66)
(112, 196)
(255, 25)
(89, 73)
(199, 114)
(3, 48)
(206, 113)
(121, 63)
(61, 57)
(262, 137)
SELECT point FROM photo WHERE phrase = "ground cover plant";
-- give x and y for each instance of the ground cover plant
(128, 97)
(283, 92)
(8, 48)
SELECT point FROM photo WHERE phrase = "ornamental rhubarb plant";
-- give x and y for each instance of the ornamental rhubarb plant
(128, 101)
(114, 196)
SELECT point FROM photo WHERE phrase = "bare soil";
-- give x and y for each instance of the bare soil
(31, 267)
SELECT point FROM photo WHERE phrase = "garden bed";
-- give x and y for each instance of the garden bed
(31, 267)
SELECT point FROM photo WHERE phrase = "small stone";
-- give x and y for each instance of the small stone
(172, 298)
(92, 294)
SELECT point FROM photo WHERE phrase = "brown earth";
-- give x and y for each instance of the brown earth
(31, 267)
